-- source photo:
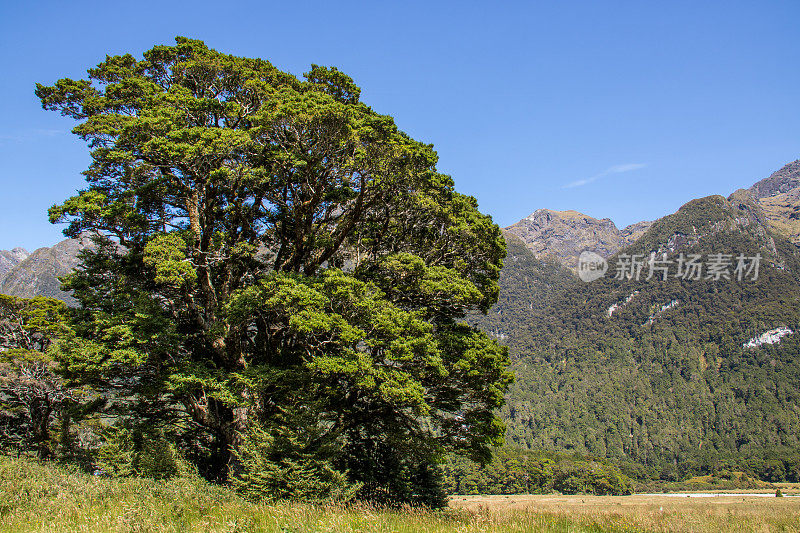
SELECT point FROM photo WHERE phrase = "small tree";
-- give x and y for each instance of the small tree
(31, 391)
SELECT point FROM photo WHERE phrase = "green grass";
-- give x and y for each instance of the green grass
(37, 497)
(42, 497)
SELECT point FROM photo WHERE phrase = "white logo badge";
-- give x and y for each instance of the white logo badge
(591, 266)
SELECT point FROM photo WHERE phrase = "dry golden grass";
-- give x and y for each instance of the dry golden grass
(780, 209)
(651, 512)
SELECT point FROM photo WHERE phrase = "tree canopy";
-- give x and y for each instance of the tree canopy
(276, 261)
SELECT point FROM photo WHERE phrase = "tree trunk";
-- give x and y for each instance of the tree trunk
(40, 412)
(228, 427)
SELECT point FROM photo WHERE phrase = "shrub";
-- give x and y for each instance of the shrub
(148, 454)
(276, 466)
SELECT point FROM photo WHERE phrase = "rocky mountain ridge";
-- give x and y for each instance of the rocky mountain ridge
(26, 274)
(779, 197)
(563, 235)
(9, 259)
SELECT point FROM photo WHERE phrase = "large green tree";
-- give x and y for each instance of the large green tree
(273, 253)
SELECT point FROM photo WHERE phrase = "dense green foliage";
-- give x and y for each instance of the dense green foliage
(514, 471)
(276, 466)
(274, 260)
(671, 397)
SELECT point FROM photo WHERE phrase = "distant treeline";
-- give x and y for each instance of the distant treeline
(515, 471)
(774, 465)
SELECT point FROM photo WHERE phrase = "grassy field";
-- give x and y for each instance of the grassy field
(39, 498)
(650, 512)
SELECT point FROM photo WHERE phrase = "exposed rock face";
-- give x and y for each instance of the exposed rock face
(634, 231)
(781, 181)
(563, 235)
(779, 197)
(10, 259)
(772, 336)
(783, 213)
(37, 274)
(613, 308)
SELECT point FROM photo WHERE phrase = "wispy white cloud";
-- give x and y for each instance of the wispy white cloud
(47, 132)
(616, 169)
(30, 134)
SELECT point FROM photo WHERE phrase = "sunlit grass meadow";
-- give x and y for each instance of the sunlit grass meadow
(39, 498)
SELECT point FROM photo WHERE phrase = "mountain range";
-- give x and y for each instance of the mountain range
(26, 274)
(563, 235)
(666, 374)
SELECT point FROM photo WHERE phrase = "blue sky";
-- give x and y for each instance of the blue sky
(623, 110)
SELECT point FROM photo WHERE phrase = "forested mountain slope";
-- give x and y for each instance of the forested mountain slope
(656, 371)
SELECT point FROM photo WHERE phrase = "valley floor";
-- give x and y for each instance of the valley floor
(737, 511)
(38, 497)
